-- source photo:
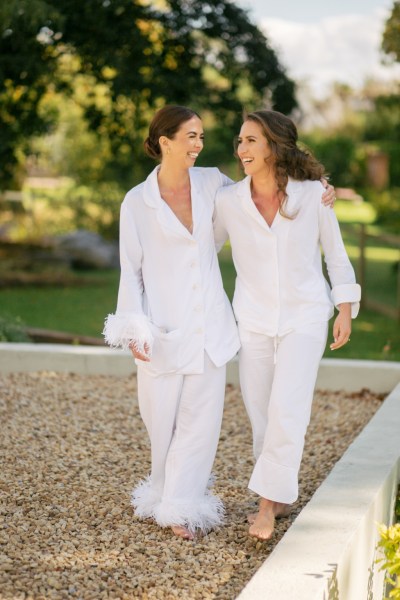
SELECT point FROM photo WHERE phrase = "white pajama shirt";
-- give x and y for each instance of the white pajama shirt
(282, 303)
(171, 298)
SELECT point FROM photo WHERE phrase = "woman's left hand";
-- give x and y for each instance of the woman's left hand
(342, 326)
(329, 196)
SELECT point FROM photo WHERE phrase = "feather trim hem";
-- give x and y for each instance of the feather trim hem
(144, 499)
(205, 513)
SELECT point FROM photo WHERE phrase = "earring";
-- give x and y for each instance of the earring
(168, 150)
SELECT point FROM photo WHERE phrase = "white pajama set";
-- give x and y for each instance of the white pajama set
(171, 298)
(282, 304)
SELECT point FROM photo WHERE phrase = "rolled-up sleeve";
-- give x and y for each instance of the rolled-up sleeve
(340, 270)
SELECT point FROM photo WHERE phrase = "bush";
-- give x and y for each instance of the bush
(393, 151)
(341, 158)
(73, 207)
(12, 329)
(387, 206)
(390, 544)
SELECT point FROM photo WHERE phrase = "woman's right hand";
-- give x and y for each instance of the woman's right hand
(141, 355)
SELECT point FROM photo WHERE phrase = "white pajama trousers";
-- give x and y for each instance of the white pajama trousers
(277, 378)
(183, 415)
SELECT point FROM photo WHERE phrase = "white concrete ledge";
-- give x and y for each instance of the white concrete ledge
(352, 375)
(334, 373)
(329, 552)
(65, 358)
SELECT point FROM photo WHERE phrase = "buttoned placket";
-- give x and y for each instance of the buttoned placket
(275, 234)
(195, 274)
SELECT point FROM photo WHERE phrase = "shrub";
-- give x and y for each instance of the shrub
(12, 329)
(390, 544)
(387, 206)
(340, 156)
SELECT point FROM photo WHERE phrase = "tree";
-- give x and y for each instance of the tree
(26, 66)
(203, 53)
(391, 34)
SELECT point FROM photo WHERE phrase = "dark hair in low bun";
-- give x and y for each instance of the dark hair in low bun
(152, 149)
(166, 122)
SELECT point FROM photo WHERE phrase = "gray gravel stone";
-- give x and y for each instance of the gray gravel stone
(72, 448)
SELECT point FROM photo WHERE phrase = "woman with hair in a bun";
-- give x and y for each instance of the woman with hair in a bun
(174, 315)
(282, 302)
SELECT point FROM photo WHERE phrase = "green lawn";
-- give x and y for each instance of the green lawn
(81, 309)
(77, 309)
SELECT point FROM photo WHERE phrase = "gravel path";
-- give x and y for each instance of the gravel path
(72, 448)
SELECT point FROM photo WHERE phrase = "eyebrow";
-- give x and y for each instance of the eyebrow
(195, 133)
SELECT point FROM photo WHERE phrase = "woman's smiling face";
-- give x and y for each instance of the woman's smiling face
(252, 148)
(186, 144)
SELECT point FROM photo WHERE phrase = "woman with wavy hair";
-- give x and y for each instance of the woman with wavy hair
(282, 302)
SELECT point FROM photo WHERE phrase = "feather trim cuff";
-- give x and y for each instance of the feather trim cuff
(125, 330)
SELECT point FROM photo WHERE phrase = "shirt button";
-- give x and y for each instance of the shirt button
(193, 264)
(198, 308)
(199, 330)
(194, 286)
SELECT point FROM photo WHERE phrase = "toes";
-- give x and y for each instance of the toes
(182, 532)
(262, 528)
(260, 534)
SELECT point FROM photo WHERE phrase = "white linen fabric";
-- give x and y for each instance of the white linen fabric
(172, 300)
(280, 283)
(183, 415)
(282, 303)
(171, 295)
(277, 378)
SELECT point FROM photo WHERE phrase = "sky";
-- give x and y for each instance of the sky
(322, 42)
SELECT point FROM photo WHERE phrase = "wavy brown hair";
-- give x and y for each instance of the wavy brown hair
(288, 160)
(166, 122)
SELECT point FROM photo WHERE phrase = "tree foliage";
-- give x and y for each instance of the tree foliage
(391, 34)
(26, 66)
(142, 54)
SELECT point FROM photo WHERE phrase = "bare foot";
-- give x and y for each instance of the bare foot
(282, 510)
(182, 532)
(263, 525)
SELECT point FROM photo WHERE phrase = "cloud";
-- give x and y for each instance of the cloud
(342, 48)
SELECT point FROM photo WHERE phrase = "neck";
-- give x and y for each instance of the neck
(263, 185)
(173, 177)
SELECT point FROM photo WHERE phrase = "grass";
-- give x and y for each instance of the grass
(350, 212)
(78, 309)
(82, 309)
